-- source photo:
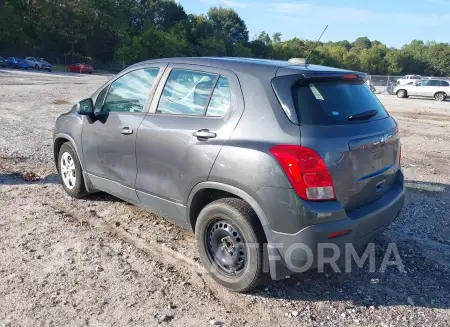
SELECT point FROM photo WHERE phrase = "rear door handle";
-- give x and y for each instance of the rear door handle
(203, 134)
(126, 131)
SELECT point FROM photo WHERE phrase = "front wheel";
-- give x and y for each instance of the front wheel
(440, 96)
(230, 240)
(37, 67)
(69, 170)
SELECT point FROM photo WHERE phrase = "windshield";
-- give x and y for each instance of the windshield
(336, 102)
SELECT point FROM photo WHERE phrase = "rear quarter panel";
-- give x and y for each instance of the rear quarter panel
(245, 161)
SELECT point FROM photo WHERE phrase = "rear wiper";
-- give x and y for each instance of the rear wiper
(364, 115)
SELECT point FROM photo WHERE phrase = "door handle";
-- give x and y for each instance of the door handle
(126, 131)
(203, 134)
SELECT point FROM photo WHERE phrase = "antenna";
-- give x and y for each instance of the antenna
(317, 41)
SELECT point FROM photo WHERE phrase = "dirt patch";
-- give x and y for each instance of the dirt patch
(60, 102)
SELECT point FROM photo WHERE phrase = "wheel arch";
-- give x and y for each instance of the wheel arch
(401, 90)
(275, 267)
(200, 196)
(59, 140)
(440, 92)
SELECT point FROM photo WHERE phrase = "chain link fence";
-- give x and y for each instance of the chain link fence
(380, 82)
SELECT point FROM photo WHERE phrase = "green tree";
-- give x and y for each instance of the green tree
(362, 43)
(276, 37)
(438, 57)
(265, 38)
(242, 50)
(228, 22)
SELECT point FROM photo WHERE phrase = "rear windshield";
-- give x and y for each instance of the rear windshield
(333, 102)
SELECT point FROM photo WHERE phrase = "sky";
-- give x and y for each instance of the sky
(392, 22)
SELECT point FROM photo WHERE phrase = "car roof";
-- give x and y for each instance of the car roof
(240, 64)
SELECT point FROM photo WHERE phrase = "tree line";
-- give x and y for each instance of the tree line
(128, 31)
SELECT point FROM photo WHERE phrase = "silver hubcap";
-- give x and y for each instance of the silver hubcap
(68, 172)
(440, 97)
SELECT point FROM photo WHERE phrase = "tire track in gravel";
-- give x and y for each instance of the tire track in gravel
(159, 252)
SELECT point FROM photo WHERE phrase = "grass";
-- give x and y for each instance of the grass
(59, 68)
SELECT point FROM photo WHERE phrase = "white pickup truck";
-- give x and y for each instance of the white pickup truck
(409, 79)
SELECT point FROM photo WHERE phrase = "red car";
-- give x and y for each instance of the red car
(80, 68)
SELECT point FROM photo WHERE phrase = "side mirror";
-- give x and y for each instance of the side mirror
(84, 107)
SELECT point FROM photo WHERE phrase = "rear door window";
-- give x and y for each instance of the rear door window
(220, 100)
(195, 93)
(333, 102)
(433, 83)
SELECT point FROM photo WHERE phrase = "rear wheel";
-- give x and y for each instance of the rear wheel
(401, 94)
(230, 239)
(440, 96)
(37, 67)
(69, 170)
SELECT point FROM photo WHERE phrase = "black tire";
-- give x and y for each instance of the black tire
(49, 70)
(402, 94)
(241, 220)
(37, 67)
(440, 96)
(79, 189)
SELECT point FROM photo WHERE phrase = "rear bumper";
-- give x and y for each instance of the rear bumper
(293, 253)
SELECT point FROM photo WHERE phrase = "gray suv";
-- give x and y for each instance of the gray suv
(261, 159)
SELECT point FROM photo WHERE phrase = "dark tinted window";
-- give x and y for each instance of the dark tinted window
(186, 92)
(130, 92)
(100, 99)
(333, 102)
(444, 83)
(433, 83)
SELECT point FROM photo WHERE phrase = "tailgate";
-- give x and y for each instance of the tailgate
(362, 159)
(346, 124)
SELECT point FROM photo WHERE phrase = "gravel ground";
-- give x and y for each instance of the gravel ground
(102, 262)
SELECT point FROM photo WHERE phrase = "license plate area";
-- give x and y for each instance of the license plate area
(378, 154)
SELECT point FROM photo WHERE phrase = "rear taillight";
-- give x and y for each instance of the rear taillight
(306, 171)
